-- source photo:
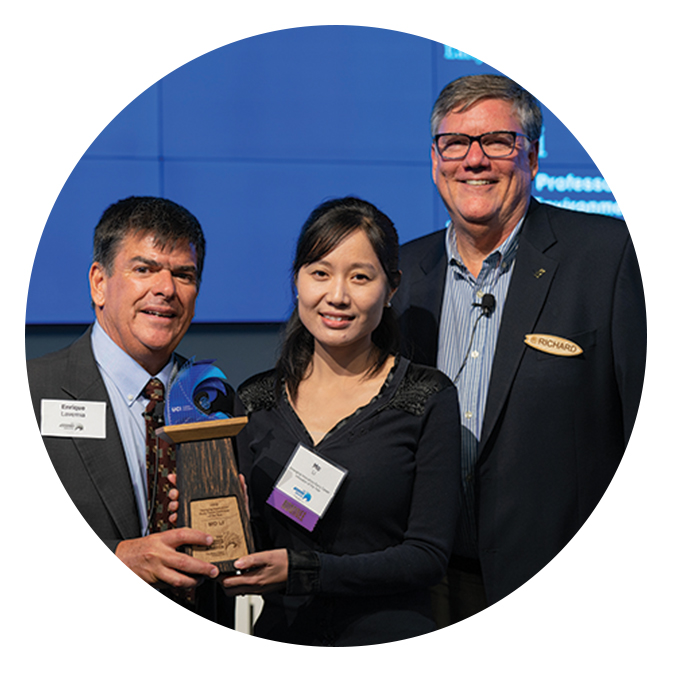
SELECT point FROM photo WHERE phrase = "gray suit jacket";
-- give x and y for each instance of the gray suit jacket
(93, 471)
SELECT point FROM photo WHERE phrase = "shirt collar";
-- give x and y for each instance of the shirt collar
(503, 255)
(127, 374)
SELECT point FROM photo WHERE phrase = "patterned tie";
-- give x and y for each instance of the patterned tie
(160, 459)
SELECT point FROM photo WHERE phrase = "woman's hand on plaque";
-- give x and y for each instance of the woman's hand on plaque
(258, 573)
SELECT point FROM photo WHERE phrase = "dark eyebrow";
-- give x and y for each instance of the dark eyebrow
(185, 268)
(145, 261)
(363, 267)
(154, 263)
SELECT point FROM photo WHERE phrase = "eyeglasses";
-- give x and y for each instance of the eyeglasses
(495, 144)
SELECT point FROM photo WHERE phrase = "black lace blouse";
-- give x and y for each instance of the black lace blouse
(362, 575)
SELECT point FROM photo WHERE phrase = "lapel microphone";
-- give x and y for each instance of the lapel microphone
(488, 303)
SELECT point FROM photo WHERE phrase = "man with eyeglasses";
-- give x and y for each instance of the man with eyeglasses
(537, 314)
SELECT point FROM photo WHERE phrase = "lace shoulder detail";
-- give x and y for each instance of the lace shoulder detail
(418, 385)
(258, 392)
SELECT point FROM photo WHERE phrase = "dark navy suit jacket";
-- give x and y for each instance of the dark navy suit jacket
(555, 428)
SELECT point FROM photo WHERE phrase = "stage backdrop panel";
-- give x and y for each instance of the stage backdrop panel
(252, 136)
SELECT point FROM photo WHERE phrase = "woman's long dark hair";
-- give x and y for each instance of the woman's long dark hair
(327, 226)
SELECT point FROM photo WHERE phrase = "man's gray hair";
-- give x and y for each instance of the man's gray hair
(464, 92)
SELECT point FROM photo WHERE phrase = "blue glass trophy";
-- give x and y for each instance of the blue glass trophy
(199, 392)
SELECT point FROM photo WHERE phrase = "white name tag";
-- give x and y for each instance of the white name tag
(72, 419)
(306, 487)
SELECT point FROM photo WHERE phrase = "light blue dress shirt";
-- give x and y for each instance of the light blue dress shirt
(125, 380)
(458, 319)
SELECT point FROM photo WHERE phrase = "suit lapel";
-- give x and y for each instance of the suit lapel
(434, 266)
(105, 460)
(427, 294)
(529, 287)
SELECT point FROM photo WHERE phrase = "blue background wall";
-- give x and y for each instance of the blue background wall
(251, 137)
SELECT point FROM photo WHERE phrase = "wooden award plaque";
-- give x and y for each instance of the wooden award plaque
(211, 497)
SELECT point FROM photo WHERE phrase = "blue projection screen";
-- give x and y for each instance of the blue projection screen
(252, 136)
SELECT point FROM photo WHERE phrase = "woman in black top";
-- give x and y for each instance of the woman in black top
(361, 576)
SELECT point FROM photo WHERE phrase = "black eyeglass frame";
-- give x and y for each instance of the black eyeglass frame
(478, 139)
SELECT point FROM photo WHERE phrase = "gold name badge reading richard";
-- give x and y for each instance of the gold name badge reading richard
(551, 344)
